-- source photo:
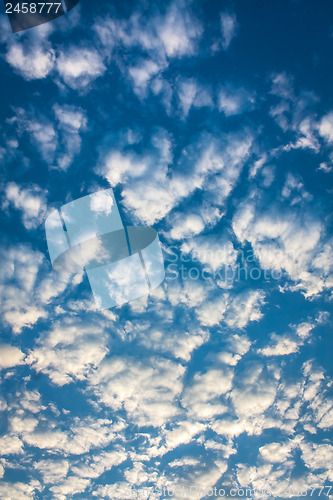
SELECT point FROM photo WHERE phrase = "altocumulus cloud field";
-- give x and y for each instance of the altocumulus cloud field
(212, 122)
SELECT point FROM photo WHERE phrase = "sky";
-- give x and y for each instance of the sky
(212, 122)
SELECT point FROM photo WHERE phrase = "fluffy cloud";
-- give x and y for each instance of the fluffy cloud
(21, 266)
(172, 34)
(146, 390)
(211, 251)
(57, 137)
(186, 226)
(203, 397)
(280, 346)
(152, 190)
(79, 67)
(32, 64)
(275, 452)
(30, 201)
(255, 391)
(69, 351)
(235, 311)
(178, 31)
(287, 242)
(10, 356)
(326, 127)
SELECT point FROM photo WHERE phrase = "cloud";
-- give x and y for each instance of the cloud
(234, 311)
(186, 226)
(234, 101)
(30, 201)
(326, 127)
(228, 28)
(141, 76)
(212, 312)
(275, 452)
(172, 34)
(193, 94)
(52, 471)
(145, 389)
(152, 188)
(211, 251)
(34, 64)
(10, 356)
(70, 486)
(10, 445)
(79, 67)
(69, 351)
(21, 266)
(294, 113)
(287, 241)
(178, 31)
(280, 346)
(71, 121)
(56, 137)
(255, 391)
(95, 465)
(203, 397)
(23, 491)
(317, 456)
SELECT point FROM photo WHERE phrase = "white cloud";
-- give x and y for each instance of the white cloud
(203, 397)
(58, 140)
(21, 266)
(31, 202)
(182, 433)
(34, 64)
(178, 342)
(326, 127)
(255, 391)
(192, 94)
(21, 491)
(71, 121)
(79, 67)
(69, 351)
(212, 312)
(317, 456)
(141, 75)
(178, 31)
(234, 101)
(93, 466)
(10, 356)
(280, 345)
(244, 308)
(151, 190)
(287, 241)
(212, 251)
(185, 226)
(10, 444)
(235, 311)
(228, 28)
(52, 471)
(145, 389)
(275, 452)
(69, 487)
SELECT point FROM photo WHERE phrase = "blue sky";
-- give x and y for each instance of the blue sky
(213, 123)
